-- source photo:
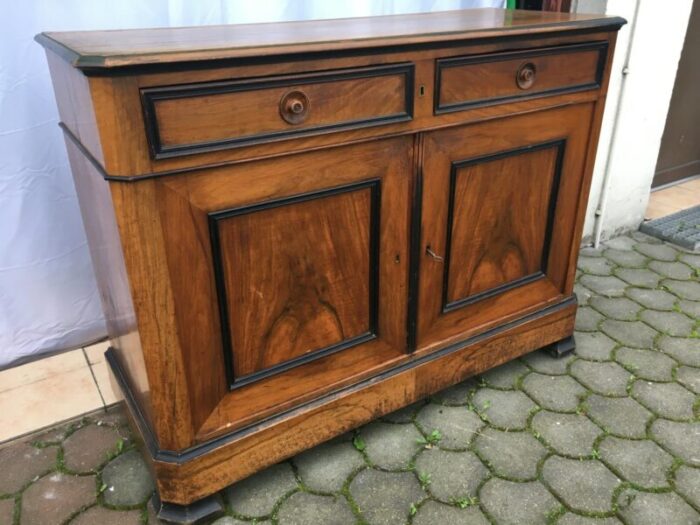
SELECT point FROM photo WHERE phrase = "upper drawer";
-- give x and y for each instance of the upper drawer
(193, 118)
(464, 82)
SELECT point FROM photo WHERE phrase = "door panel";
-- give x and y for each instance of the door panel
(498, 210)
(292, 297)
(290, 274)
(498, 221)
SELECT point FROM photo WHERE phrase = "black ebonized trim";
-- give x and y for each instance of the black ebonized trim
(201, 449)
(196, 512)
(560, 145)
(120, 376)
(150, 96)
(563, 347)
(374, 185)
(445, 63)
(414, 250)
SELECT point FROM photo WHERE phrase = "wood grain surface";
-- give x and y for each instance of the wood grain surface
(107, 49)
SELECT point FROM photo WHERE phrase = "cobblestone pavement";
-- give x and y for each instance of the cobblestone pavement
(606, 436)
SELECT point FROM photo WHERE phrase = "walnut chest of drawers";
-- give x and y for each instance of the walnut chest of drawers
(299, 227)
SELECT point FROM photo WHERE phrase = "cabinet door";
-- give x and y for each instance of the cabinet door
(290, 274)
(499, 216)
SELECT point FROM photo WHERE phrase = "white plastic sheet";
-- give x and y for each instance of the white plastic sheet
(48, 296)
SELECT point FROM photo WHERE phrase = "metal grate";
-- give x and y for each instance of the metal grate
(682, 228)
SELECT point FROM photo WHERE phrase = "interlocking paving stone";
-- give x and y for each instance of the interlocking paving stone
(583, 294)
(303, 508)
(681, 439)
(385, 498)
(647, 364)
(542, 361)
(635, 334)
(585, 486)
(623, 242)
(456, 395)
(587, 319)
(434, 513)
(671, 323)
(689, 377)
(568, 434)
(643, 237)
(661, 252)
(256, 496)
(639, 277)
(691, 308)
(515, 503)
(590, 251)
(641, 462)
(595, 265)
(627, 258)
(683, 289)
(228, 520)
(513, 455)
(621, 416)
(674, 270)
(55, 497)
(7, 510)
(452, 475)
(505, 409)
(127, 480)
(457, 425)
(692, 259)
(609, 286)
(648, 508)
(608, 379)
(686, 351)
(575, 519)
(89, 447)
(404, 415)
(505, 376)
(390, 446)
(559, 393)
(687, 483)
(596, 346)
(54, 435)
(326, 467)
(620, 308)
(655, 299)
(20, 463)
(669, 400)
(105, 516)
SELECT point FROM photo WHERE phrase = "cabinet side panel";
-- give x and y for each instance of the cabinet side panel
(105, 251)
(75, 106)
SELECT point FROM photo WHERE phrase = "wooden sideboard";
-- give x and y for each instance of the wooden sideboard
(298, 227)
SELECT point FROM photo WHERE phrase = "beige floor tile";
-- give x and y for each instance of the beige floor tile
(673, 199)
(42, 369)
(96, 352)
(41, 403)
(104, 383)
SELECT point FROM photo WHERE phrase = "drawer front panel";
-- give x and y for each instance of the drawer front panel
(182, 120)
(464, 82)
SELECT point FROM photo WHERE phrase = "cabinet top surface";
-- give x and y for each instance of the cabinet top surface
(133, 47)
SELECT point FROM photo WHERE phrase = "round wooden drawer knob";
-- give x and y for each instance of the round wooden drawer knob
(294, 107)
(525, 77)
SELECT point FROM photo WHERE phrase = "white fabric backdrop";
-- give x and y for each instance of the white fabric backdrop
(48, 296)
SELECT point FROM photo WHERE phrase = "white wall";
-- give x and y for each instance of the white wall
(639, 103)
